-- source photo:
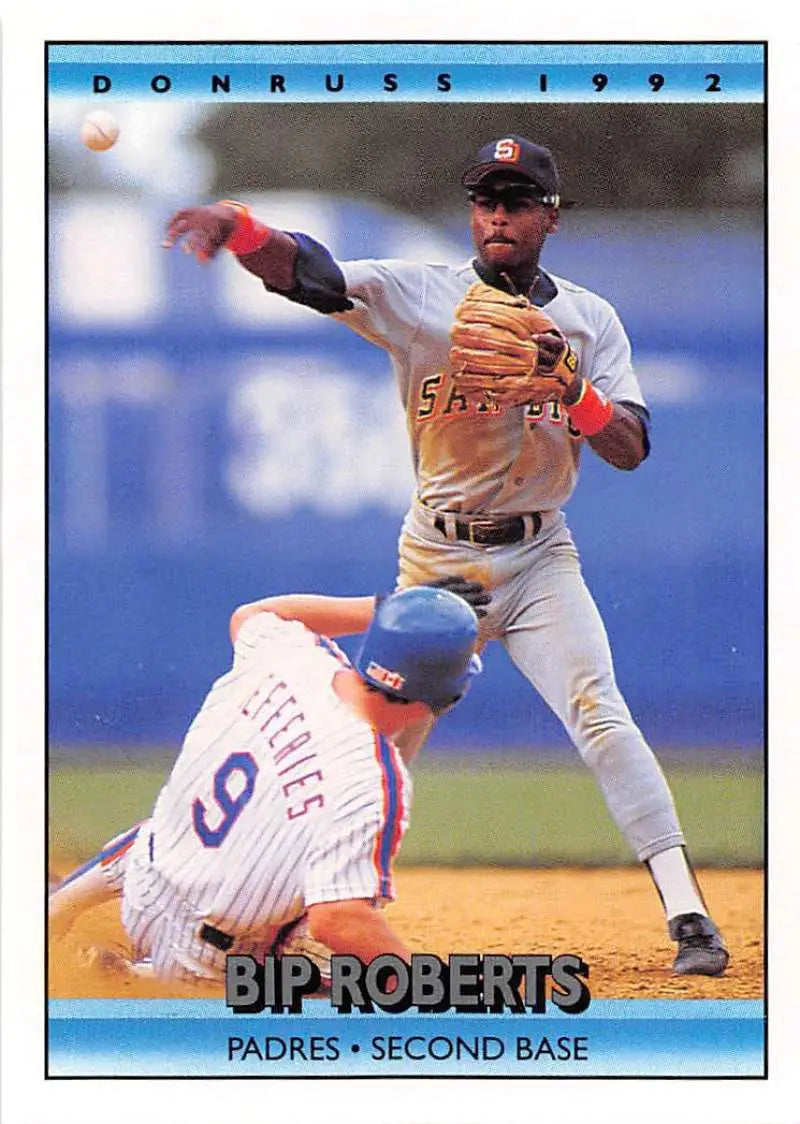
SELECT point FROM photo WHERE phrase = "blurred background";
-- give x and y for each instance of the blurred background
(210, 443)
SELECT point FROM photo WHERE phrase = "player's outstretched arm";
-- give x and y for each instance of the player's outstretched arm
(203, 231)
(345, 616)
(355, 928)
(332, 616)
(81, 891)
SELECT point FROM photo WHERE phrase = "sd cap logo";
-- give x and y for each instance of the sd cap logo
(507, 149)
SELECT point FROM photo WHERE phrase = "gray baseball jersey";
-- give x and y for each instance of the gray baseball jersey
(472, 462)
(468, 458)
(280, 798)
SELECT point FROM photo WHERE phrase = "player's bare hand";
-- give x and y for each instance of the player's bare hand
(551, 348)
(201, 231)
(475, 594)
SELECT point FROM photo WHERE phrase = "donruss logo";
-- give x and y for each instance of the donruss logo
(507, 149)
(392, 679)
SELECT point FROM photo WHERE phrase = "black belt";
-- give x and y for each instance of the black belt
(210, 935)
(496, 531)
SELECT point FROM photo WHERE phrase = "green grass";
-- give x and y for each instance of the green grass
(551, 815)
(89, 804)
(513, 812)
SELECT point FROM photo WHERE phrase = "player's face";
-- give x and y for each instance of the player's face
(509, 227)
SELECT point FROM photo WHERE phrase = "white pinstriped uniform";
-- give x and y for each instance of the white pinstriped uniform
(281, 797)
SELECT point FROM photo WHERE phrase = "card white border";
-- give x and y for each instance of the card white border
(26, 1096)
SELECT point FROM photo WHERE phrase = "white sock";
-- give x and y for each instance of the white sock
(675, 881)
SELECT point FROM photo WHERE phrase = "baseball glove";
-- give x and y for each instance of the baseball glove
(507, 352)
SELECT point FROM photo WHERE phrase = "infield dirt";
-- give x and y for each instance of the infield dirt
(610, 917)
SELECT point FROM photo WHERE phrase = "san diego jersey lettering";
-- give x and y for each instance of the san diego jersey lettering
(467, 458)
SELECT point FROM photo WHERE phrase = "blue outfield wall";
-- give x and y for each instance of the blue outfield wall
(202, 460)
(137, 631)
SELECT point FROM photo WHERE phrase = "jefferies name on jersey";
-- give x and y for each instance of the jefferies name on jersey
(471, 458)
(281, 796)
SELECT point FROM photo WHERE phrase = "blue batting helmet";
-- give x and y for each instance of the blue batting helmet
(420, 647)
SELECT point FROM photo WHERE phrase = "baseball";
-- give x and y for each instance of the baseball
(99, 130)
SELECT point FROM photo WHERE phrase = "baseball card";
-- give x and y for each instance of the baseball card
(403, 457)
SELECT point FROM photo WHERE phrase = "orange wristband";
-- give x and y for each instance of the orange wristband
(592, 412)
(249, 234)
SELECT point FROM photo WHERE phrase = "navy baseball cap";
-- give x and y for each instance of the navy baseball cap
(517, 157)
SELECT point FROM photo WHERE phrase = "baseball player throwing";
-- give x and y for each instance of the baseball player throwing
(506, 372)
(288, 801)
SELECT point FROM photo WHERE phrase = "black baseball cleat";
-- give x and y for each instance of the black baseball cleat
(701, 951)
